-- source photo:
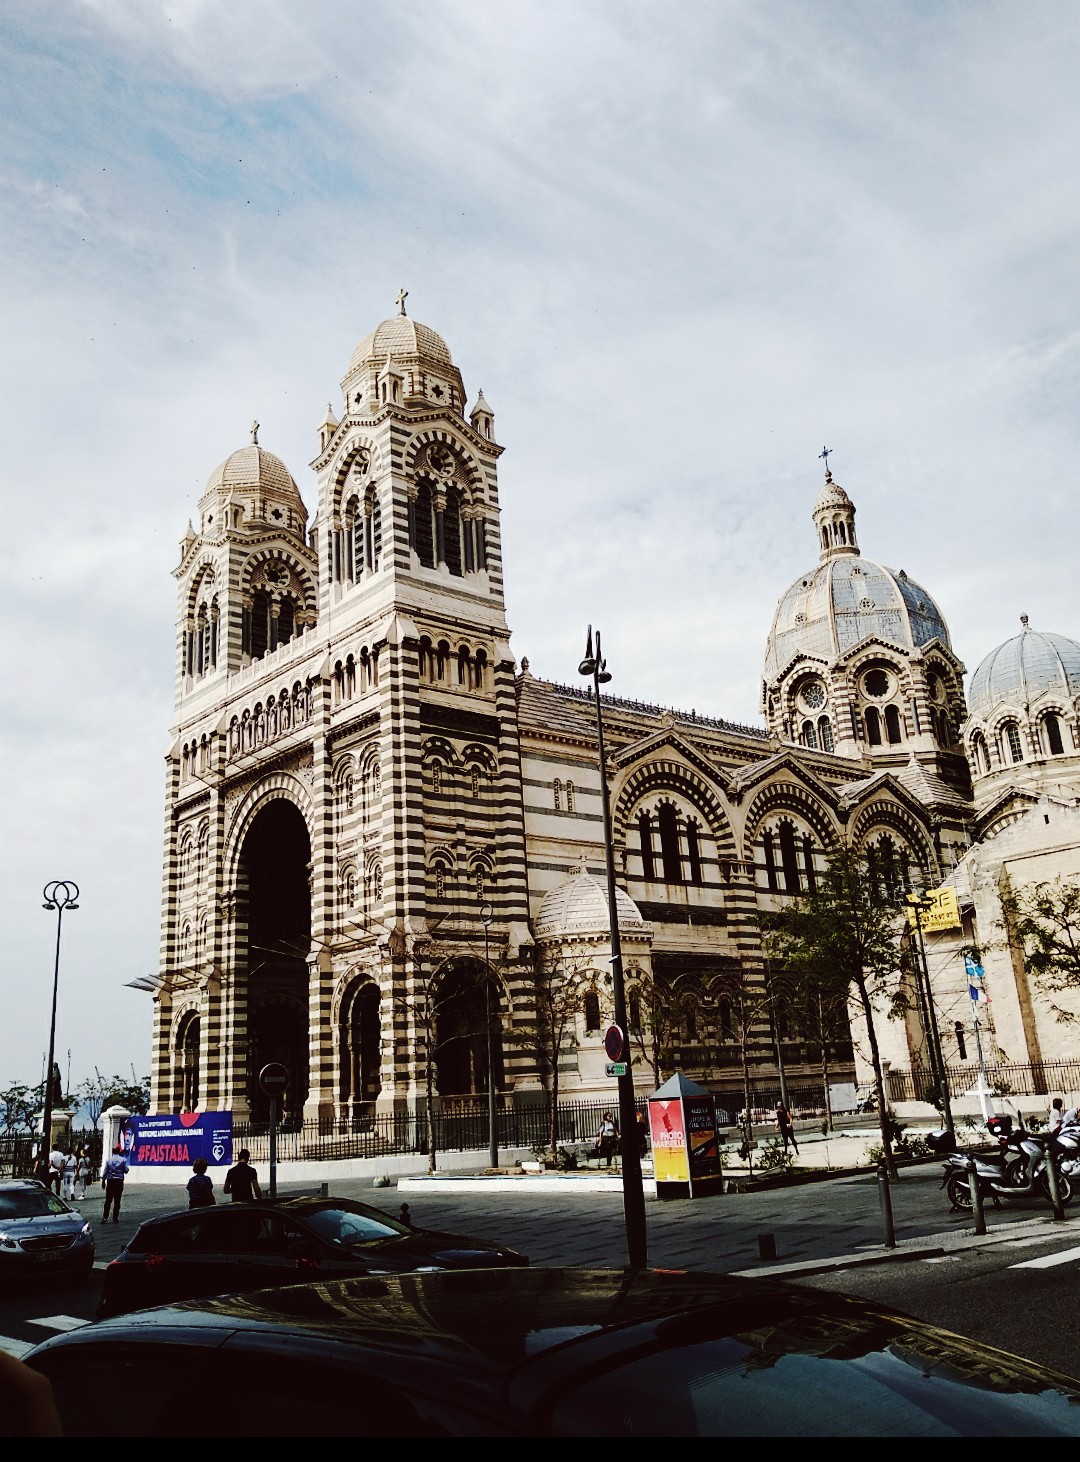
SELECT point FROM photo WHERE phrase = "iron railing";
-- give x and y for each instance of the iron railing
(1040, 1078)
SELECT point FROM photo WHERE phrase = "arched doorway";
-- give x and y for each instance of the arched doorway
(360, 1048)
(275, 904)
(464, 1002)
(187, 1080)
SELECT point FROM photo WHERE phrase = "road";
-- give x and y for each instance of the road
(990, 1292)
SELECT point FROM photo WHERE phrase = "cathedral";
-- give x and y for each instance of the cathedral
(369, 799)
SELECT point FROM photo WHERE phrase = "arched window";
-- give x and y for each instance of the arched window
(442, 660)
(188, 1041)
(789, 857)
(768, 844)
(436, 777)
(808, 735)
(873, 726)
(892, 725)
(480, 880)
(463, 666)
(648, 866)
(475, 779)
(439, 878)
(669, 843)
(452, 530)
(979, 753)
(808, 864)
(825, 736)
(1011, 746)
(569, 796)
(556, 788)
(479, 670)
(727, 1029)
(424, 525)
(1054, 743)
(592, 1013)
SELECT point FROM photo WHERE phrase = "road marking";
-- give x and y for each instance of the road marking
(17, 1348)
(59, 1322)
(943, 1259)
(1028, 1243)
(1065, 1256)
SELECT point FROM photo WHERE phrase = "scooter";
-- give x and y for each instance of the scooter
(1017, 1170)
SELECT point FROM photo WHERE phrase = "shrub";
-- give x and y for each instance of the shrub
(774, 1157)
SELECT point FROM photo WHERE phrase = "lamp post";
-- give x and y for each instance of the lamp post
(918, 905)
(493, 1135)
(595, 667)
(59, 895)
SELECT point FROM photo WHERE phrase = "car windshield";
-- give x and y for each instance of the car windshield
(30, 1203)
(352, 1224)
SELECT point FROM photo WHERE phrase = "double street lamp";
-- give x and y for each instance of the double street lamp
(61, 894)
(594, 666)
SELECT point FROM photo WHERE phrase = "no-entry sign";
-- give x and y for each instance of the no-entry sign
(274, 1078)
(615, 1042)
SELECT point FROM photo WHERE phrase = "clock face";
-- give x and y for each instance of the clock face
(813, 694)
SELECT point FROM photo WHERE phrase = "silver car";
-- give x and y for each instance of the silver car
(40, 1233)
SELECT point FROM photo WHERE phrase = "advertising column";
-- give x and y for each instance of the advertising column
(685, 1142)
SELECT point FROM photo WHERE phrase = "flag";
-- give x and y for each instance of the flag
(975, 974)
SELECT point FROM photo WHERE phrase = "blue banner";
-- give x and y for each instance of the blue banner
(176, 1141)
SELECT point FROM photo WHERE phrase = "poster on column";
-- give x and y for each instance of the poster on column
(701, 1128)
(668, 1136)
(177, 1140)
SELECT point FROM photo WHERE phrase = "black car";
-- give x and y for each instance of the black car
(41, 1234)
(544, 1352)
(242, 1246)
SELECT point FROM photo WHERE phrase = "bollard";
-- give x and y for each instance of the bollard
(975, 1189)
(885, 1200)
(324, 1190)
(1053, 1185)
(766, 1246)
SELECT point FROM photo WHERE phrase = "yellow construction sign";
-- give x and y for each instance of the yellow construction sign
(938, 910)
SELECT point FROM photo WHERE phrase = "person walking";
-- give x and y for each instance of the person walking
(67, 1175)
(56, 1169)
(786, 1127)
(200, 1188)
(113, 1173)
(242, 1181)
(606, 1137)
(82, 1173)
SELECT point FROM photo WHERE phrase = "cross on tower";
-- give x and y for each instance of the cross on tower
(824, 455)
(402, 296)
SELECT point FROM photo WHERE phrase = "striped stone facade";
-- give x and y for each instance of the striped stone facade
(365, 790)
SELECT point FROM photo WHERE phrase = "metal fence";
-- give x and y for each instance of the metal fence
(1042, 1078)
(18, 1151)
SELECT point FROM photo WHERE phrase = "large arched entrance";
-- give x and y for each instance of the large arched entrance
(360, 1051)
(275, 902)
(464, 1003)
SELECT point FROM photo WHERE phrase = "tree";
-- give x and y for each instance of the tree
(548, 1026)
(750, 1001)
(1044, 920)
(663, 1013)
(818, 1010)
(97, 1093)
(844, 936)
(19, 1105)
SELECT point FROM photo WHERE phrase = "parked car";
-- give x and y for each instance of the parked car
(543, 1352)
(242, 1246)
(41, 1234)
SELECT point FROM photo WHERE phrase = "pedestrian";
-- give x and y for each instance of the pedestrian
(67, 1175)
(200, 1188)
(786, 1126)
(242, 1181)
(56, 1169)
(82, 1173)
(606, 1137)
(643, 1135)
(113, 1172)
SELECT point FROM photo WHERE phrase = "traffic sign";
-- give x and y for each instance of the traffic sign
(615, 1042)
(615, 1068)
(274, 1078)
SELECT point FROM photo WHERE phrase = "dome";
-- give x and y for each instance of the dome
(580, 906)
(845, 599)
(832, 495)
(1024, 668)
(401, 337)
(252, 468)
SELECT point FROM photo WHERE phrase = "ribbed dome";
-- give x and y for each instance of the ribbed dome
(401, 337)
(580, 906)
(252, 467)
(832, 495)
(844, 600)
(1024, 668)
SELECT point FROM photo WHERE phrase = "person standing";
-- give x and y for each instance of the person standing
(200, 1188)
(82, 1173)
(242, 1181)
(113, 1173)
(786, 1126)
(606, 1137)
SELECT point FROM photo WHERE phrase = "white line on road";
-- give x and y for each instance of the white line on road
(59, 1322)
(17, 1348)
(1065, 1256)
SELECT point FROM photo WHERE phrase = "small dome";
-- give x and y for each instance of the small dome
(1022, 669)
(842, 601)
(580, 906)
(401, 336)
(832, 495)
(252, 468)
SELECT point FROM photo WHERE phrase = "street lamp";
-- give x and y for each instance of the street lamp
(920, 904)
(595, 667)
(60, 895)
(493, 1135)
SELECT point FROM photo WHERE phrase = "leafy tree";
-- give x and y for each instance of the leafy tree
(98, 1092)
(750, 1000)
(815, 1007)
(1044, 920)
(844, 937)
(19, 1105)
(548, 1023)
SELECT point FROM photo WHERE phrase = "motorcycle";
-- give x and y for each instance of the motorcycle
(1017, 1170)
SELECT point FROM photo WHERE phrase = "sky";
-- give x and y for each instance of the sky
(682, 248)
